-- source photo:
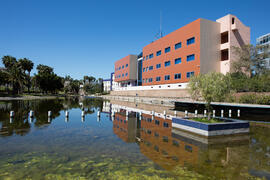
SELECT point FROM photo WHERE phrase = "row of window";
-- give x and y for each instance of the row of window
(123, 75)
(118, 68)
(265, 40)
(168, 63)
(165, 139)
(157, 122)
(168, 49)
(168, 77)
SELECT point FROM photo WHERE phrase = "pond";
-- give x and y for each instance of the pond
(119, 147)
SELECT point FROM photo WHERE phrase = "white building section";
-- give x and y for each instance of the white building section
(153, 87)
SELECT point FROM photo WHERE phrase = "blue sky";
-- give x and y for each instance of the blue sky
(85, 37)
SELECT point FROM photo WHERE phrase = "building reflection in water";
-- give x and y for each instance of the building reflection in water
(169, 147)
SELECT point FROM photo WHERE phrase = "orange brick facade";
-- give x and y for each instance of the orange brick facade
(179, 36)
(122, 69)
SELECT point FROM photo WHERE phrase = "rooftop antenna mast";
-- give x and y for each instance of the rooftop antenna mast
(159, 34)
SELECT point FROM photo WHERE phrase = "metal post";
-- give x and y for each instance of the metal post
(186, 113)
(238, 113)
(31, 114)
(11, 114)
(214, 113)
(196, 113)
(230, 113)
(222, 113)
(66, 113)
(175, 113)
(49, 113)
(83, 113)
(205, 113)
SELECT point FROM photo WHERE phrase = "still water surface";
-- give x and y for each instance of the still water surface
(119, 147)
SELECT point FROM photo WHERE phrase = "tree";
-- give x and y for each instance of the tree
(210, 87)
(47, 80)
(15, 73)
(249, 58)
(9, 61)
(27, 65)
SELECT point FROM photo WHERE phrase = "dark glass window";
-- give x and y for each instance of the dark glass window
(167, 77)
(190, 57)
(159, 53)
(189, 74)
(177, 61)
(191, 41)
(177, 76)
(167, 49)
(167, 63)
(178, 45)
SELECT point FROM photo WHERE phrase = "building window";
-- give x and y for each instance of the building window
(177, 76)
(158, 66)
(122, 75)
(143, 69)
(151, 56)
(188, 148)
(165, 139)
(178, 45)
(177, 61)
(233, 20)
(146, 57)
(189, 74)
(167, 77)
(224, 37)
(146, 69)
(150, 68)
(126, 65)
(190, 57)
(126, 74)
(159, 53)
(167, 49)
(146, 80)
(224, 54)
(119, 68)
(123, 67)
(150, 80)
(158, 78)
(191, 41)
(167, 63)
(175, 143)
(165, 125)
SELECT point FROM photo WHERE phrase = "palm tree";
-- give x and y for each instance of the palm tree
(9, 61)
(26, 65)
(15, 73)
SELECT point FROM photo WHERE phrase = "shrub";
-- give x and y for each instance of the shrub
(255, 99)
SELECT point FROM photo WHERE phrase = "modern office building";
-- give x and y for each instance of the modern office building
(264, 42)
(199, 47)
(126, 71)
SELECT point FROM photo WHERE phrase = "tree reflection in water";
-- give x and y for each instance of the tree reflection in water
(20, 124)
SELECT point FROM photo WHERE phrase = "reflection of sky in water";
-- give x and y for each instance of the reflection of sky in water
(102, 149)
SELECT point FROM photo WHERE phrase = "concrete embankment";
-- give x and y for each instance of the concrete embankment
(170, 102)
